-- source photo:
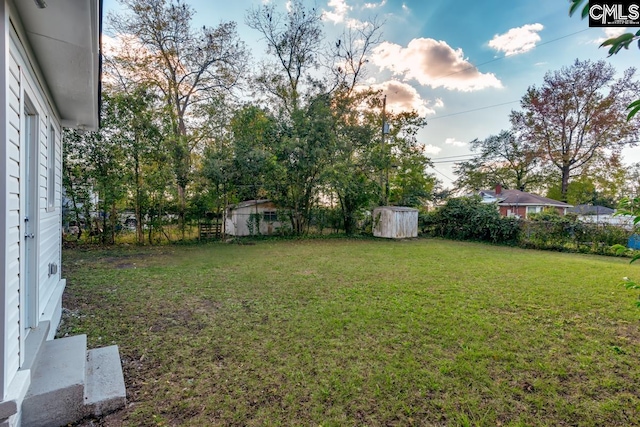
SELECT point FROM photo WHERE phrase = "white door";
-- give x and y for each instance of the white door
(29, 282)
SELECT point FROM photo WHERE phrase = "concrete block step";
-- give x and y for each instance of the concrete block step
(56, 394)
(104, 383)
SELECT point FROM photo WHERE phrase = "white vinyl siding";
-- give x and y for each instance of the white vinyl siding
(21, 81)
(12, 284)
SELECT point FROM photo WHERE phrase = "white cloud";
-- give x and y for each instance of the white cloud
(338, 12)
(404, 97)
(611, 32)
(374, 5)
(432, 63)
(454, 142)
(432, 149)
(517, 40)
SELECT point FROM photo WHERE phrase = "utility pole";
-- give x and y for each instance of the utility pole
(384, 171)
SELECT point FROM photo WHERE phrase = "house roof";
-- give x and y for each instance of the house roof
(521, 198)
(591, 210)
(65, 38)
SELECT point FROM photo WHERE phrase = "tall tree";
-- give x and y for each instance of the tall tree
(302, 151)
(252, 134)
(294, 41)
(299, 101)
(615, 45)
(135, 128)
(404, 161)
(187, 66)
(357, 134)
(505, 158)
(578, 115)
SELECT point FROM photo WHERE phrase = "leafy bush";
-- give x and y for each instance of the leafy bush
(470, 219)
(567, 233)
(467, 218)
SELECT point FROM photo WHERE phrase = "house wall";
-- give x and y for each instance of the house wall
(521, 211)
(20, 80)
(237, 220)
(624, 221)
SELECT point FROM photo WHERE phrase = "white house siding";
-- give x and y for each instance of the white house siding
(20, 78)
(12, 248)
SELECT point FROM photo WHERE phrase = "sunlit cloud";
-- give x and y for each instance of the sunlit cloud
(338, 11)
(454, 142)
(432, 63)
(517, 40)
(404, 97)
(432, 149)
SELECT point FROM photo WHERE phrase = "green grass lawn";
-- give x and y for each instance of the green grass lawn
(362, 332)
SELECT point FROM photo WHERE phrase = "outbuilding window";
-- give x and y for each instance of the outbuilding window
(270, 216)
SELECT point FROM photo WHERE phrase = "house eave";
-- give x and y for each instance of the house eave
(65, 39)
(535, 204)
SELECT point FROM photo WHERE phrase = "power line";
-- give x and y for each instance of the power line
(471, 67)
(437, 171)
(470, 111)
(489, 62)
(451, 157)
(453, 161)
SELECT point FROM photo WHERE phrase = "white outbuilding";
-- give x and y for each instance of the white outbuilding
(395, 222)
(252, 218)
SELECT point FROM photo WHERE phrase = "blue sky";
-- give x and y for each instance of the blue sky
(463, 64)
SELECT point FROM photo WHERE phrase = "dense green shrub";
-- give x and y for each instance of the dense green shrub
(548, 230)
(467, 218)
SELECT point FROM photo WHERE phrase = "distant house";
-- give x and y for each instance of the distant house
(243, 218)
(602, 215)
(516, 203)
(50, 78)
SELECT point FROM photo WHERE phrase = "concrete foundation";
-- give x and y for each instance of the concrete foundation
(69, 383)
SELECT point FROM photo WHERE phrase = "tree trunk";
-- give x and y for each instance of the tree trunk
(138, 209)
(565, 182)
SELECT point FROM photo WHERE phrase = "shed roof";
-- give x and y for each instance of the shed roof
(65, 38)
(398, 208)
(247, 203)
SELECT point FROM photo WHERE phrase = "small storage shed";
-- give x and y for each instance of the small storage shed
(242, 218)
(395, 222)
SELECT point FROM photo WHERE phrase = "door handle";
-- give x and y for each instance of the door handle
(29, 236)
